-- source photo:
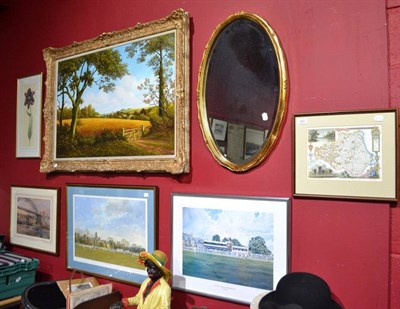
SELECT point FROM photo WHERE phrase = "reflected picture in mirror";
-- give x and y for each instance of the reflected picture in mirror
(243, 83)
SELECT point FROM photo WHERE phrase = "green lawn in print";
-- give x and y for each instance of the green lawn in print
(110, 257)
(109, 228)
(246, 272)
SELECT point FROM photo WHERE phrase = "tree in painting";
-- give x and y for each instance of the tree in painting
(77, 74)
(134, 123)
(257, 245)
(159, 54)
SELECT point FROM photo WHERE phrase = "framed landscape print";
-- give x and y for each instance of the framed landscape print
(29, 116)
(346, 155)
(34, 218)
(120, 102)
(108, 227)
(229, 247)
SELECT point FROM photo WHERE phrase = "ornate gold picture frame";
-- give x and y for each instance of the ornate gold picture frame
(120, 102)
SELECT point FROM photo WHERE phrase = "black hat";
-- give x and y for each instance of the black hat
(299, 290)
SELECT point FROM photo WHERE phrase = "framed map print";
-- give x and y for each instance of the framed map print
(346, 154)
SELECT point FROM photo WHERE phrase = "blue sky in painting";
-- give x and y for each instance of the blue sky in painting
(126, 95)
(112, 217)
(242, 225)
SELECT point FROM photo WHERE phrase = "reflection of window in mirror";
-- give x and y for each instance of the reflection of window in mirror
(243, 88)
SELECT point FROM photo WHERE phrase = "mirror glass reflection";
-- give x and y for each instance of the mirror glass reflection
(242, 93)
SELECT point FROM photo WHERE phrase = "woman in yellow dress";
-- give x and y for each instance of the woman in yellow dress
(155, 291)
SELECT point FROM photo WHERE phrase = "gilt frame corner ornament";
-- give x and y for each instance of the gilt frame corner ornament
(113, 117)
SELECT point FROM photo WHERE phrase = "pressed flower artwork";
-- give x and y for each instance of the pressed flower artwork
(29, 104)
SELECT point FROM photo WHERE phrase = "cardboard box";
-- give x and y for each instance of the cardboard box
(76, 285)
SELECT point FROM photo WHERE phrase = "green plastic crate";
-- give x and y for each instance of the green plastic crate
(14, 279)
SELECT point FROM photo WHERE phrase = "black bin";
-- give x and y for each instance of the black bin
(43, 295)
(47, 295)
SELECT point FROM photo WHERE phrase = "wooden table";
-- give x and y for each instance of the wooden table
(13, 302)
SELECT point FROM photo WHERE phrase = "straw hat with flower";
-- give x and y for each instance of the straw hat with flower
(159, 258)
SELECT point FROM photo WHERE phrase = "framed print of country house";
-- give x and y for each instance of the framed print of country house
(120, 102)
(229, 247)
(346, 155)
(107, 227)
(29, 116)
(34, 218)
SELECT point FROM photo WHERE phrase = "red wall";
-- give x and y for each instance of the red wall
(337, 54)
(393, 22)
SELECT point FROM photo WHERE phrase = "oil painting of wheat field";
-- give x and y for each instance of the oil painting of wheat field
(120, 106)
(112, 103)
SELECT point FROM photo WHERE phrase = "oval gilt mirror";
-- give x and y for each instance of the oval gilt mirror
(242, 91)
